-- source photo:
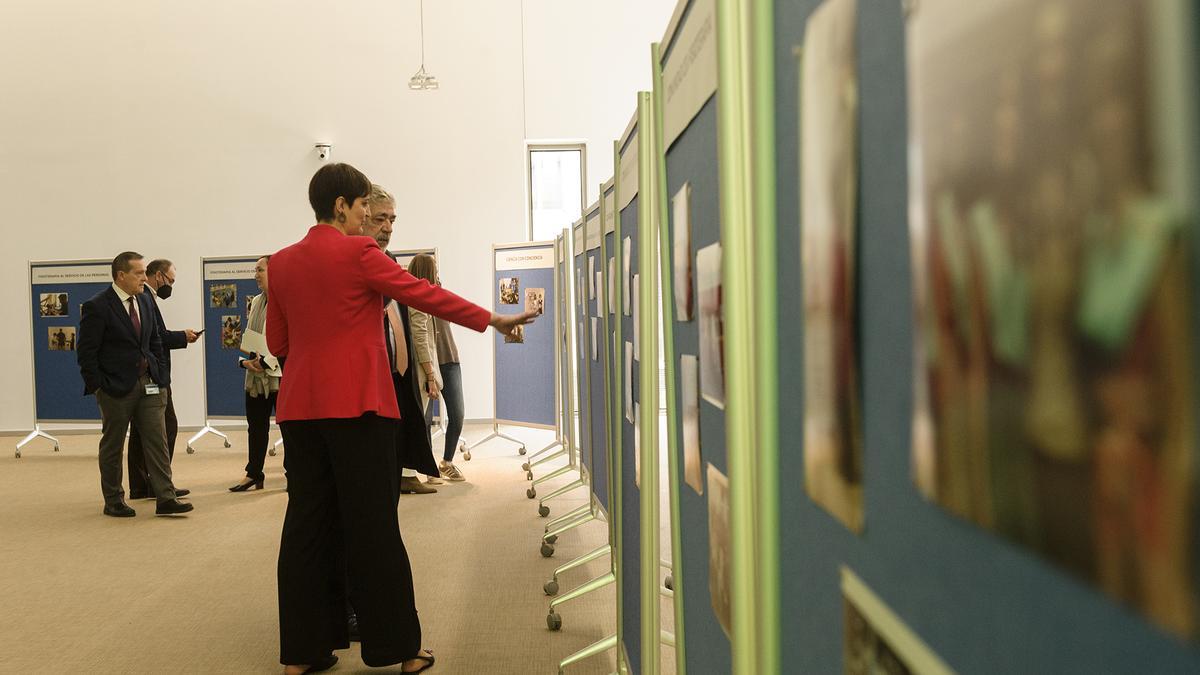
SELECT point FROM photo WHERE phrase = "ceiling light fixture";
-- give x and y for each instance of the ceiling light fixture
(422, 81)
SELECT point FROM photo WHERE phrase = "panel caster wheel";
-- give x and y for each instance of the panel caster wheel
(547, 550)
(271, 452)
(56, 447)
(528, 475)
(669, 582)
(543, 510)
(525, 467)
(553, 621)
(550, 587)
(466, 455)
(552, 539)
(531, 493)
(521, 450)
(18, 454)
(191, 450)
(227, 444)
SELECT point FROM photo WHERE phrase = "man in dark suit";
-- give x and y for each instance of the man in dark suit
(414, 447)
(123, 363)
(160, 279)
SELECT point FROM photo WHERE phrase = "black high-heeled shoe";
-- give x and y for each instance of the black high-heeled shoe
(242, 487)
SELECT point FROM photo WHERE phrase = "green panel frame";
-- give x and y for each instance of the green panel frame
(667, 283)
(745, 132)
(648, 223)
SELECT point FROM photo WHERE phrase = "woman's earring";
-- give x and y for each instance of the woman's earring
(341, 217)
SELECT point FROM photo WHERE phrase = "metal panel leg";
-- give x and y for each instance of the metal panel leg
(555, 474)
(495, 434)
(36, 433)
(600, 647)
(551, 587)
(547, 458)
(552, 535)
(206, 430)
(557, 443)
(567, 517)
(554, 620)
(544, 510)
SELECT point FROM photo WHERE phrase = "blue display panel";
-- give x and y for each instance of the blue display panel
(525, 366)
(692, 160)
(226, 292)
(597, 377)
(582, 356)
(563, 312)
(57, 290)
(631, 506)
(983, 604)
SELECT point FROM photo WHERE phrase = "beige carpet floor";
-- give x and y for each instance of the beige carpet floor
(84, 592)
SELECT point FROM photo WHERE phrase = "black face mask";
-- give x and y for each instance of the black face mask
(163, 291)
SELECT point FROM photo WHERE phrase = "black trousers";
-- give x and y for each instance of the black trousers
(138, 475)
(341, 520)
(258, 432)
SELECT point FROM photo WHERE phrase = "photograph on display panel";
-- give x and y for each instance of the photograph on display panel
(517, 337)
(720, 556)
(629, 381)
(61, 338)
(876, 640)
(637, 324)
(53, 304)
(1054, 363)
(828, 235)
(693, 466)
(682, 248)
(222, 295)
(712, 331)
(626, 262)
(231, 331)
(535, 300)
(510, 290)
(637, 444)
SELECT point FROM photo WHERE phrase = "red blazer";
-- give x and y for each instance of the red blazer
(325, 316)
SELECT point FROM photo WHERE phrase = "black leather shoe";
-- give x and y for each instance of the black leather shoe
(323, 664)
(172, 508)
(140, 495)
(352, 628)
(119, 510)
(182, 492)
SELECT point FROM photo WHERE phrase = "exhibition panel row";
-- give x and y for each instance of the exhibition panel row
(927, 275)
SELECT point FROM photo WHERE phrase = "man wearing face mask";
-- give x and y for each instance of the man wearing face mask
(160, 278)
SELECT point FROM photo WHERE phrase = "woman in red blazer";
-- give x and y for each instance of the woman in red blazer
(338, 415)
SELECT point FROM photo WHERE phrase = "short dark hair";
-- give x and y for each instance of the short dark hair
(158, 265)
(123, 262)
(332, 181)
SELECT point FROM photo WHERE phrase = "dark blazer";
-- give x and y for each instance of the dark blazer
(108, 352)
(171, 339)
(414, 445)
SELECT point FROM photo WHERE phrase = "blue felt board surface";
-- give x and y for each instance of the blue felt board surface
(525, 371)
(582, 358)
(982, 604)
(597, 385)
(692, 158)
(631, 506)
(57, 382)
(224, 381)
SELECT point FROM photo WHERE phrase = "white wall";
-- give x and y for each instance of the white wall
(584, 64)
(184, 130)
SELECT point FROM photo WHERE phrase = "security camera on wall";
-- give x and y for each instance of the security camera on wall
(323, 151)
